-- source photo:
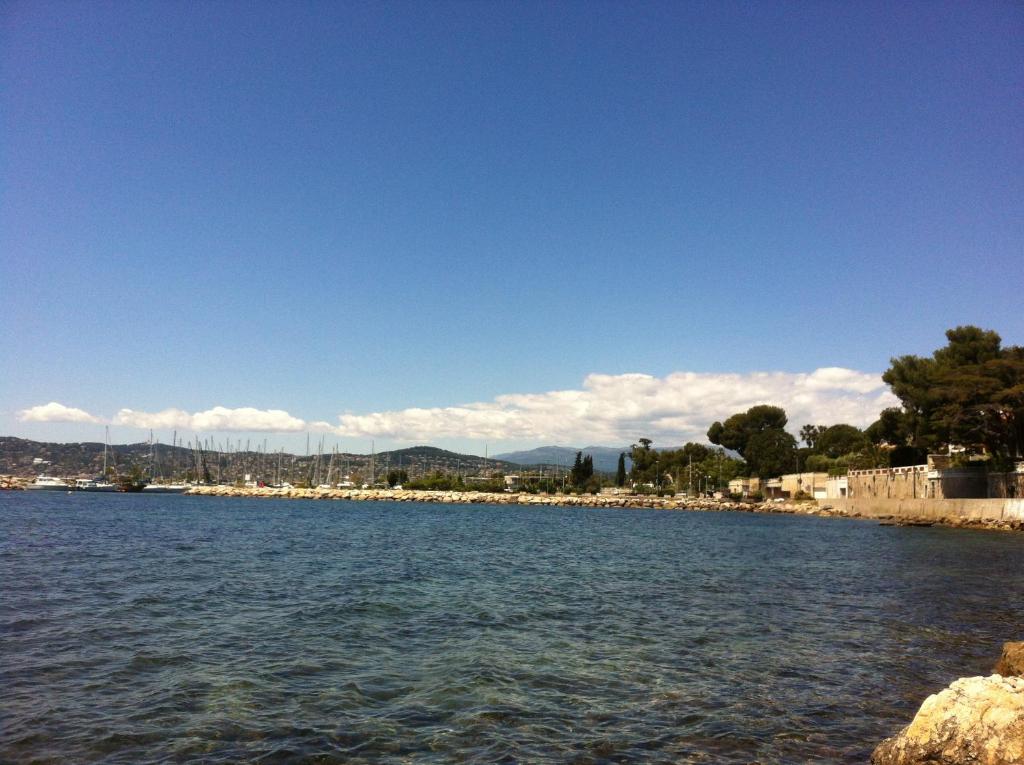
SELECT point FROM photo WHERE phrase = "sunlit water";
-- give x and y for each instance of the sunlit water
(177, 629)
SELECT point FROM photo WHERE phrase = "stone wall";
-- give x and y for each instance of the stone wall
(890, 483)
(962, 483)
(921, 482)
(932, 509)
(1008, 485)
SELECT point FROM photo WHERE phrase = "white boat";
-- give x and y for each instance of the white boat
(164, 488)
(48, 482)
(93, 484)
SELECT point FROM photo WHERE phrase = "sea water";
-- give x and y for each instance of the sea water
(178, 629)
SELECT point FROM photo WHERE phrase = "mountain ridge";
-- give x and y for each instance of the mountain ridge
(606, 458)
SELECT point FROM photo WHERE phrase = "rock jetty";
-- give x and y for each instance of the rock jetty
(13, 482)
(513, 498)
(637, 501)
(975, 721)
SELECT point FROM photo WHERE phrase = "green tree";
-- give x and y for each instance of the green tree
(759, 436)
(819, 463)
(970, 393)
(735, 433)
(620, 471)
(809, 434)
(771, 452)
(645, 462)
(577, 469)
(891, 428)
(837, 440)
(582, 470)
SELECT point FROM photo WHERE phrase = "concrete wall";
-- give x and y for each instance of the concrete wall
(837, 486)
(933, 509)
(920, 482)
(1009, 485)
(963, 483)
(891, 483)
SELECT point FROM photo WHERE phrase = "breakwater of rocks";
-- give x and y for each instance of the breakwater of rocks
(611, 501)
(14, 482)
(506, 498)
(824, 508)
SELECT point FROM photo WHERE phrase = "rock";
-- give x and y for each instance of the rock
(975, 721)
(1012, 660)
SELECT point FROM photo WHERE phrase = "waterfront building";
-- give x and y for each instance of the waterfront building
(744, 487)
(792, 484)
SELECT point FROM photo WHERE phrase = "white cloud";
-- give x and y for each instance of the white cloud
(607, 409)
(617, 409)
(217, 419)
(54, 412)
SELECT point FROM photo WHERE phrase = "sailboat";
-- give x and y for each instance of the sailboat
(159, 488)
(101, 483)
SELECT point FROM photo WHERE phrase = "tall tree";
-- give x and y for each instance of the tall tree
(737, 430)
(759, 435)
(970, 393)
(645, 462)
(620, 471)
(838, 440)
(771, 452)
(809, 434)
(891, 428)
(576, 474)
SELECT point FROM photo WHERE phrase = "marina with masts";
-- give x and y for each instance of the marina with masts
(154, 467)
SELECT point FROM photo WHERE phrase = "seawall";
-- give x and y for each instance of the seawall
(952, 512)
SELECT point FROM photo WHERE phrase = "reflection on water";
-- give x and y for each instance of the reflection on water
(177, 629)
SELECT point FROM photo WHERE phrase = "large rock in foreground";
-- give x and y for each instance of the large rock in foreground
(1012, 660)
(975, 721)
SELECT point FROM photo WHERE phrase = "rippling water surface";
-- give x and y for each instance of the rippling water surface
(177, 629)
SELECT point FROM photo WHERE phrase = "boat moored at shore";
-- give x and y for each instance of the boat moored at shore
(48, 483)
(166, 488)
(93, 484)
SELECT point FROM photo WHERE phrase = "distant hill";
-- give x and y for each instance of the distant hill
(606, 458)
(431, 458)
(20, 456)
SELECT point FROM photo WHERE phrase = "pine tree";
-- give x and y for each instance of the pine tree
(620, 472)
(576, 475)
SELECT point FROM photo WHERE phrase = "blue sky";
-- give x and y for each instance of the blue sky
(357, 209)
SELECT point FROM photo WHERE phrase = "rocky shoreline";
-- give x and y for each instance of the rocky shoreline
(974, 721)
(606, 501)
(821, 509)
